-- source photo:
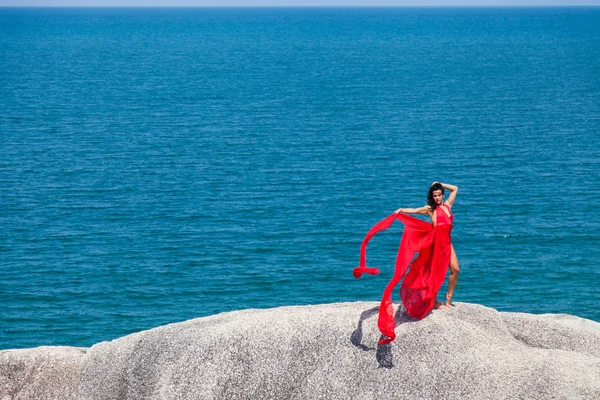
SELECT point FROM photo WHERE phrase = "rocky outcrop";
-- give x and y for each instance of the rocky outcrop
(41, 373)
(327, 351)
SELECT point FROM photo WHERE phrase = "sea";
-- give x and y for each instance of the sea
(164, 164)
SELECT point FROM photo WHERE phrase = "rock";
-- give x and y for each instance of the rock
(327, 351)
(41, 373)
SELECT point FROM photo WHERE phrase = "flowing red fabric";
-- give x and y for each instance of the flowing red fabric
(427, 272)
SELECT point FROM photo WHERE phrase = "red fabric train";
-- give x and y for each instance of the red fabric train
(427, 272)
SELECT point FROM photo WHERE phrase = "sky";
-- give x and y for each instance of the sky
(223, 3)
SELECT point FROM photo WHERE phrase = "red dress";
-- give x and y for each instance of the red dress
(427, 272)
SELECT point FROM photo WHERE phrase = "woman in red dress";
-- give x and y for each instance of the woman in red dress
(428, 271)
(435, 202)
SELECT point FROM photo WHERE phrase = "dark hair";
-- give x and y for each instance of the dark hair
(430, 201)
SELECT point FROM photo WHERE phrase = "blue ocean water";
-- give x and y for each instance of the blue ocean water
(158, 165)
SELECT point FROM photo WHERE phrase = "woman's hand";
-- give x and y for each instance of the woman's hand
(434, 183)
(398, 211)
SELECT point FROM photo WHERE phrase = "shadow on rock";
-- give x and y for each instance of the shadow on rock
(356, 337)
(384, 351)
(384, 355)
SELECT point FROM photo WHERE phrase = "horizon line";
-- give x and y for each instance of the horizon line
(317, 6)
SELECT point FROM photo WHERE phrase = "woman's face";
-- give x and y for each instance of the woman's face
(438, 197)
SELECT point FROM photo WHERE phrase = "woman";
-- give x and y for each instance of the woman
(428, 271)
(435, 201)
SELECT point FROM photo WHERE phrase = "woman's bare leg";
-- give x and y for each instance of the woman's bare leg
(454, 270)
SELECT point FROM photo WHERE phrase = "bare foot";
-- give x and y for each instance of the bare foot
(448, 300)
(438, 305)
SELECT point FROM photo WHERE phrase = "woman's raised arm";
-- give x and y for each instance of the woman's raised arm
(453, 191)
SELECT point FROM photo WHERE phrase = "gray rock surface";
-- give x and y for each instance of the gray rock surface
(327, 351)
(41, 373)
